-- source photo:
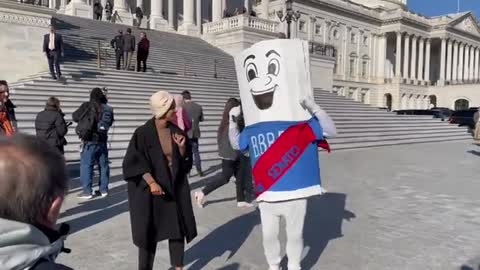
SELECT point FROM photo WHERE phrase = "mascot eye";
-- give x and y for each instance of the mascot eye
(273, 67)
(252, 72)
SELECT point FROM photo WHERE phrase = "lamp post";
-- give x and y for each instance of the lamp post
(289, 16)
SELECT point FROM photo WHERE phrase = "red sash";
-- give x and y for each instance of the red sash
(283, 154)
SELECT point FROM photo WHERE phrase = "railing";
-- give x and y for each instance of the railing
(321, 49)
(240, 21)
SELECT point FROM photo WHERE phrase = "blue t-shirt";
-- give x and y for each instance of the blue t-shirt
(303, 178)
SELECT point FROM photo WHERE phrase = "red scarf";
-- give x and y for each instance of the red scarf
(5, 123)
(283, 154)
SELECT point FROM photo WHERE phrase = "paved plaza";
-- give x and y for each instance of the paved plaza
(402, 207)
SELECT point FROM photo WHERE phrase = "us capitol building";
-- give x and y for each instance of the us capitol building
(385, 55)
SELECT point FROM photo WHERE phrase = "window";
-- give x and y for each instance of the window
(353, 38)
(363, 97)
(352, 67)
(335, 34)
(364, 68)
(318, 29)
(301, 26)
(365, 40)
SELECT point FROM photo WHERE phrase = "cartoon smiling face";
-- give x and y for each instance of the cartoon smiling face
(272, 76)
(263, 80)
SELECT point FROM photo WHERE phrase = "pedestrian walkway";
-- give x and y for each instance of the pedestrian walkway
(400, 207)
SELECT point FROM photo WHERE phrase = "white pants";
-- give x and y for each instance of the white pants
(294, 214)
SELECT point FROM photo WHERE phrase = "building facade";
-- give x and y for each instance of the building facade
(386, 55)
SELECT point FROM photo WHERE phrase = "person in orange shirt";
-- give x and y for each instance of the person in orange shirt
(8, 122)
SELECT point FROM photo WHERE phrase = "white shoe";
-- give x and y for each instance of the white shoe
(199, 198)
(244, 204)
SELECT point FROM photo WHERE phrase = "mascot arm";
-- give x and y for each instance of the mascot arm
(326, 122)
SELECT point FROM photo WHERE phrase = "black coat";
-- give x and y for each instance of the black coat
(157, 218)
(51, 127)
(58, 43)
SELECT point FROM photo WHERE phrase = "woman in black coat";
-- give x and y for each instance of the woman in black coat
(50, 125)
(156, 166)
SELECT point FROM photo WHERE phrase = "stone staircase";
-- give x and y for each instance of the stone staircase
(178, 63)
(360, 125)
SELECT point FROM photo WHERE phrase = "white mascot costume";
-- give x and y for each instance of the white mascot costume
(284, 125)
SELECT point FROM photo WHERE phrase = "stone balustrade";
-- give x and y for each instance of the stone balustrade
(240, 21)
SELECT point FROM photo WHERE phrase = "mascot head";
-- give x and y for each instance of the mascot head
(273, 75)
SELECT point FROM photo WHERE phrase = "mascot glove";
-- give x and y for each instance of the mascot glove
(235, 111)
(309, 104)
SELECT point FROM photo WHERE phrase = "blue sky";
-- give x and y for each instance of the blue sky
(440, 7)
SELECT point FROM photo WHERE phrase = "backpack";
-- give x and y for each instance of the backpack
(87, 123)
(106, 119)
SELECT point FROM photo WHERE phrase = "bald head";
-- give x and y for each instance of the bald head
(33, 180)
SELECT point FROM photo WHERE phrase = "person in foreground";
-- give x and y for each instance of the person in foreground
(156, 165)
(283, 128)
(33, 182)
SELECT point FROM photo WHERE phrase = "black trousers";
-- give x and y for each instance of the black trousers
(54, 63)
(146, 257)
(119, 57)
(139, 64)
(232, 168)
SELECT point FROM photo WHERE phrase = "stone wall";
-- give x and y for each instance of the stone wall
(21, 38)
(447, 95)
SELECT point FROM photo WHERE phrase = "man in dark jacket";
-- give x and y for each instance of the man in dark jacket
(53, 48)
(94, 144)
(50, 125)
(195, 113)
(128, 48)
(28, 239)
(142, 52)
(98, 11)
(117, 44)
(8, 121)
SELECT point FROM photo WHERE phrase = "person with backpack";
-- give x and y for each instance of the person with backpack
(50, 125)
(94, 120)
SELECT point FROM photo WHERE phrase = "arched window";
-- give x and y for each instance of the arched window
(461, 104)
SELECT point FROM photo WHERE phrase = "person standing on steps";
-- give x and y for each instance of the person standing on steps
(118, 44)
(195, 113)
(128, 48)
(50, 125)
(108, 11)
(53, 48)
(98, 10)
(139, 16)
(142, 52)
(8, 120)
(90, 117)
(230, 162)
(156, 165)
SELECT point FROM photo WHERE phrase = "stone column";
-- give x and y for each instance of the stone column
(171, 15)
(406, 56)
(216, 10)
(63, 5)
(442, 61)
(413, 62)
(311, 29)
(51, 4)
(199, 16)
(472, 62)
(420, 59)
(247, 5)
(188, 27)
(465, 63)
(264, 8)
(455, 62)
(140, 4)
(461, 56)
(398, 56)
(477, 54)
(374, 47)
(448, 76)
(157, 20)
(381, 57)
(427, 62)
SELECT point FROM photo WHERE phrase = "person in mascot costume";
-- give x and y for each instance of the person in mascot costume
(284, 127)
